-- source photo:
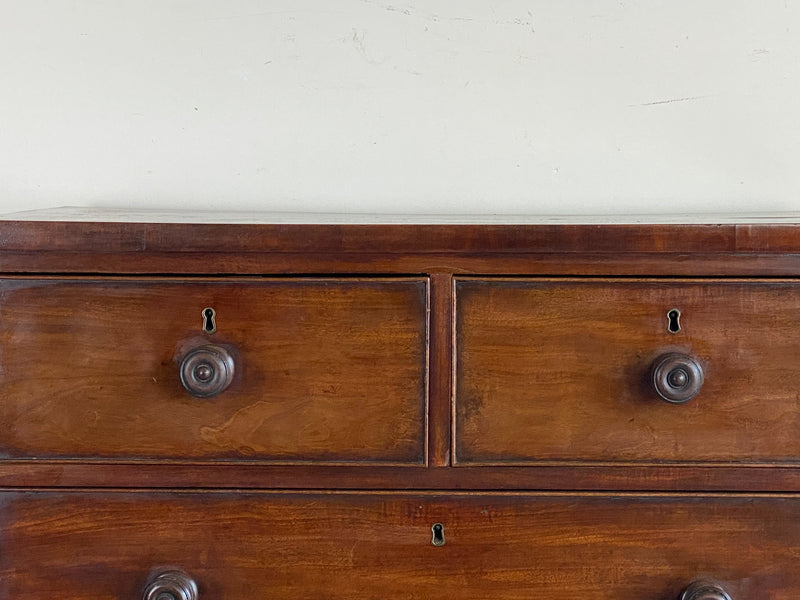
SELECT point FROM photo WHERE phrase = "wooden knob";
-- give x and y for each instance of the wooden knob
(704, 590)
(171, 585)
(206, 371)
(677, 378)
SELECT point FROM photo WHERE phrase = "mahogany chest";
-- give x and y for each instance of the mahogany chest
(309, 407)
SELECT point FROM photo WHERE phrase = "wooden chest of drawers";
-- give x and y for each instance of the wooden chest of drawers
(279, 409)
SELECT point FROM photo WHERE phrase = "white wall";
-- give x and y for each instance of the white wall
(401, 106)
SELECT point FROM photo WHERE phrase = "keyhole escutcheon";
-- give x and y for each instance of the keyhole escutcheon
(437, 529)
(209, 320)
(674, 320)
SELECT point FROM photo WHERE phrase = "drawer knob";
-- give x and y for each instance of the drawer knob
(206, 371)
(677, 378)
(171, 585)
(705, 590)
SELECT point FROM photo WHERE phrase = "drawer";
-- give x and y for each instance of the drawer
(280, 370)
(78, 545)
(604, 370)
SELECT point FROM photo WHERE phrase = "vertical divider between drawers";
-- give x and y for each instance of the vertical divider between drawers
(439, 371)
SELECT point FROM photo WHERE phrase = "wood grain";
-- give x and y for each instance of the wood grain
(72, 546)
(441, 363)
(330, 370)
(558, 370)
(95, 236)
(143, 238)
(251, 475)
(699, 264)
(369, 361)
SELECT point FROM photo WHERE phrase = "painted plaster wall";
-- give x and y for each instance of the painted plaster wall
(401, 106)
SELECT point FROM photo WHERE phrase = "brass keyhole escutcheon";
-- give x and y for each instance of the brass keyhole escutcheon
(437, 529)
(209, 320)
(674, 320)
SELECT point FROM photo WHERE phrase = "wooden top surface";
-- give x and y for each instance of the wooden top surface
(83, 230)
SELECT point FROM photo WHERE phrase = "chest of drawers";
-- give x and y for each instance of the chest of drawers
(274, 408)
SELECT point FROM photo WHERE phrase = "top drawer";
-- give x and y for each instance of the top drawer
(567, 370)
(326, 370)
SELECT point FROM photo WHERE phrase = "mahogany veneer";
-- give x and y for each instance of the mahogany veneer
(325, 370)
(204, 409)
(551, 370)
(73, 545)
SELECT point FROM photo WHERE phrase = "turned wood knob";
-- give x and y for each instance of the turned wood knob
(704, 590)
(677, 378)
(206, 371)
(171, 585)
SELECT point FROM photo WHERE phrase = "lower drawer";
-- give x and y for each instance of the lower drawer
(109, 545)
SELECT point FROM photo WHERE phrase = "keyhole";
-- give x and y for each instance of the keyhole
(209, 323)
(438, 534)
(674, 316)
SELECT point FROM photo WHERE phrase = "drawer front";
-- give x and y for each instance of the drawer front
(571, 370)
(317, 370)
(73, 546)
